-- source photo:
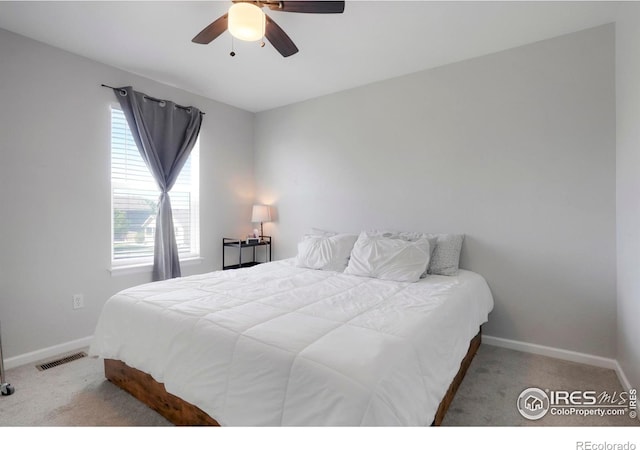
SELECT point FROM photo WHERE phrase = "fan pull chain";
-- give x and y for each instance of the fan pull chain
(233, 53)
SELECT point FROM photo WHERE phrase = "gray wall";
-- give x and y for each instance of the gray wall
(514, 149)
(628, 190)
(55, 189)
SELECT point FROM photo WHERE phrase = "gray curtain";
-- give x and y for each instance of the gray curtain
(165, 133)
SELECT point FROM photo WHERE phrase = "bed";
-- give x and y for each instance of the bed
(278, 344)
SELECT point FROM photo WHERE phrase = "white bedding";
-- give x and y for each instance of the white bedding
(277, 344)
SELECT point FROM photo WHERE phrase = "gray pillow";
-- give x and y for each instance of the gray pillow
(446, 257)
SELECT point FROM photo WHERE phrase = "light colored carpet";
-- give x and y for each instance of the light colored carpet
(77, 394)
(489, 392)
(73, 394)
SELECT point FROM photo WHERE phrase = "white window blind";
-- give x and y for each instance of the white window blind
(134, 201)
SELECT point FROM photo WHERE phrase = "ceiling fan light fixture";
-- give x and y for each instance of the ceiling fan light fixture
(246, 22)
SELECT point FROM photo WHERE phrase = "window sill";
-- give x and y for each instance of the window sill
(148, 267)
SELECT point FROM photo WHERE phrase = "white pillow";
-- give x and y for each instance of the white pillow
(445, 249)
(389, 259)
(325, 252)
(321, 232)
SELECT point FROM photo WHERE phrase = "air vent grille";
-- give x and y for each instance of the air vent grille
(60, 361)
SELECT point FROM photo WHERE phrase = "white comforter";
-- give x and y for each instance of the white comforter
(280, 345)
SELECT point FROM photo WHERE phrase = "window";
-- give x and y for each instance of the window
(134, 201)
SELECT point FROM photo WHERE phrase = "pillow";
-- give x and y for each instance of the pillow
(388, 259)
(446, 256)
(446, 248)
(404, 235)
(410, 236)
(325, 252)
(321, 232)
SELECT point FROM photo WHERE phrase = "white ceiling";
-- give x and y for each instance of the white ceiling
(370, 41)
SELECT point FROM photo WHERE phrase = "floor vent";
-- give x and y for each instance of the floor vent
(61, 361)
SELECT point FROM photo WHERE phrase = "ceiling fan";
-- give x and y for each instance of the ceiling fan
(245, 20)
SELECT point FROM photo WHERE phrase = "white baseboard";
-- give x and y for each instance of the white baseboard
(623, 378)
(552, 352)
(45, 353)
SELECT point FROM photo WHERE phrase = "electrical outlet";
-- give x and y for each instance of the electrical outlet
(78, 301)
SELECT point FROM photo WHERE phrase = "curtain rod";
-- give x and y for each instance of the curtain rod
(152, 99)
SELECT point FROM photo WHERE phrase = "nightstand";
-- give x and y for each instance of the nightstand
(238, 245)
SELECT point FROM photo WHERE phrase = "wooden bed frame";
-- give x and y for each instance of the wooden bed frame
(179, 412)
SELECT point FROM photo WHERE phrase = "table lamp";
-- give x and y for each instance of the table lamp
(261, 213)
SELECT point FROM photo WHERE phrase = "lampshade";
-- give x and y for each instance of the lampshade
(261, 213)
(246, 22)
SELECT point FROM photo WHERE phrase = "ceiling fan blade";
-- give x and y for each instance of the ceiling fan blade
(314, 7)
(279, 38)
(212, 31)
